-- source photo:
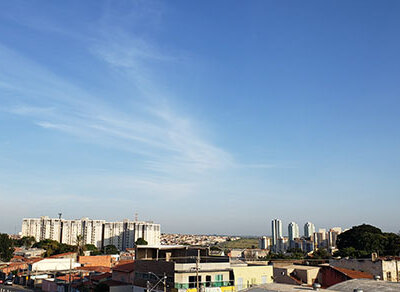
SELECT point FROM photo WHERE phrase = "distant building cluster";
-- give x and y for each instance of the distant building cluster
(310, 240)
(192, 239)
(100, 233)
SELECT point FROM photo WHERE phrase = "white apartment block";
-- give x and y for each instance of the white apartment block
(42, 228)
(100, 233)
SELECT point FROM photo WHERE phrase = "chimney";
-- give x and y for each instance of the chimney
(374, 256)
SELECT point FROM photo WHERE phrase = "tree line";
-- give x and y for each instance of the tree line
(53, 247)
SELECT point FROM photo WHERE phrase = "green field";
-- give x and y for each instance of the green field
(240, 243)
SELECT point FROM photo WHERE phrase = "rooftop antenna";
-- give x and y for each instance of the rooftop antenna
(136, 216)
(59, 215)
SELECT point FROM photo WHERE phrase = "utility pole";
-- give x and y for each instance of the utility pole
(197, 270)
(70, 268)
(165, 282)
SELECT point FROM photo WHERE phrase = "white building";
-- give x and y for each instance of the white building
(276, 232)
(293, 231)
(264, 242)
(42, 228)
(100, 233)
(309, 229)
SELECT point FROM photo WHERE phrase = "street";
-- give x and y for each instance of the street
(6, 288)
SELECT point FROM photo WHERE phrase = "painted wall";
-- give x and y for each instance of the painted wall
(252, 275)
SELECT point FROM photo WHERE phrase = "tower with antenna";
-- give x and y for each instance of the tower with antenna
(59, 215)
(136, 216)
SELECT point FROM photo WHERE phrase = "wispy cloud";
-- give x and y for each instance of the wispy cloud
(173, 158)
(168, 140)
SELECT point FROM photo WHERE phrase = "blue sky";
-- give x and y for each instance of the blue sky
(207, 117)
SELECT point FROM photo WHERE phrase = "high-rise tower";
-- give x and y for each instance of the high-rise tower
(276, 232)
(309, 229)
(293, 231)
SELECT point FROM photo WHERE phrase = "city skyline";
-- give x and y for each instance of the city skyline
(208, 118)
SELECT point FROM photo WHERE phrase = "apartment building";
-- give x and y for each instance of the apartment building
(100, 233)
(42, 228)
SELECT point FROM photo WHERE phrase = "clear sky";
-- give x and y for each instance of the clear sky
(204, 116)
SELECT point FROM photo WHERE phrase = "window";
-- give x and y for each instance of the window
(388, 276)
(240, 283)
(208, 281)
(218, 278)
(192, 281)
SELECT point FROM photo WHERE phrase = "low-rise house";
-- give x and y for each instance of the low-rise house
(388, 268)
(185, 268)
(29, 252)
(52, 265)
(330, 275)
(248, 275)
(295, 274)
(123, 272)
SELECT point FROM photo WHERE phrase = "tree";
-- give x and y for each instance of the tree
(92, 248)
(26, 241)
(360, 241)
(392, 246)
(53, 247)
(141, 241)
(6, 247)
(321, 253)
(110, 249)
(79, 244)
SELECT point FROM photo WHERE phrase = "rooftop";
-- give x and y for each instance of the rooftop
(282, 288)
(353, 274)
(366, 285)
(125, 267)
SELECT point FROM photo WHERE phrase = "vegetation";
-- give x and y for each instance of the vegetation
(239, 243)
(53, 247)
(6, 247)
(92, 249)
(110, 249)
(26, 241)
(80, 245)
(321, 253)
(141, 241)
(360, 241)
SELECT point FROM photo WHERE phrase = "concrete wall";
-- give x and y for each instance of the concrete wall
(95, 261)
(307, 275)
(328, 277)
(202, 266)
(56, 264)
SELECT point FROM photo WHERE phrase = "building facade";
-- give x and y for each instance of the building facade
(100, 233)
(276, 232)
(309, 229)
(293, 231)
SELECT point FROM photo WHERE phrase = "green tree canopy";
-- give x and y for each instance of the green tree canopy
(26, 241)
(110, 249)
(92, 248)
(141, 241)
(53, 247)
(321, 253)
(6, 247)
(360, 241)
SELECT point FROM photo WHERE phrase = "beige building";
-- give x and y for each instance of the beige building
(295, 274)
(246, 276)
